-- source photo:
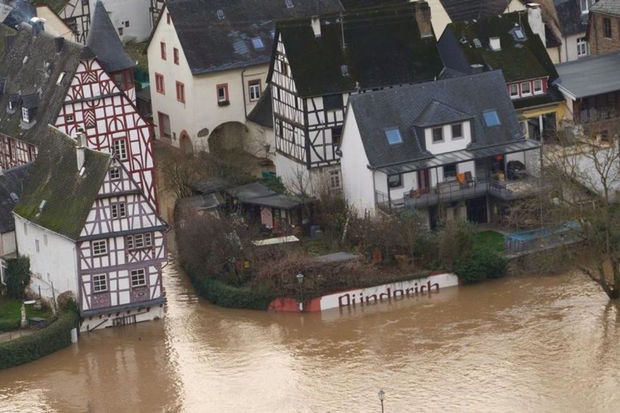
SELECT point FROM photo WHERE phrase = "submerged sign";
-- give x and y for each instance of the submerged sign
(393, 291)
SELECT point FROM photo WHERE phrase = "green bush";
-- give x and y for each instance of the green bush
(482, 264)
(9, 325)
(40, 343)
(17, 276)
(226, 295)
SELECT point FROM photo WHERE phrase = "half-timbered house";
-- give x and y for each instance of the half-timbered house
(449, 149)
(208, 63)
(87, 227)
(48, 80)
(319, 62)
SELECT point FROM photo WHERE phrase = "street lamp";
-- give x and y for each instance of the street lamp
(381, 398)
(300, 280)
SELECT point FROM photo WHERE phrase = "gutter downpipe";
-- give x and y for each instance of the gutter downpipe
(245, 108)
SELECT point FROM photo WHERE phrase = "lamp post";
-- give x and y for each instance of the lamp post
(24, 318)
(381, 398)
(300, 280)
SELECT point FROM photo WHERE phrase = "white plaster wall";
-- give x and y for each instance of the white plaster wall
(53, 24)
(448, 144)
(136, 12)
(200, 110)
(8, 246)
(439, 17)
(54, 262)
(357, 179)
(569, 47)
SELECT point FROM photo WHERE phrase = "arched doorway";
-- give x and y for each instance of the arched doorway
(185, 143)
(227, 137)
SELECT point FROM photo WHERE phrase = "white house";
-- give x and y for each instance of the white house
(449, 149)
(208, 63)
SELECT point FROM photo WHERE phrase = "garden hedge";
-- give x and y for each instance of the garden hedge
(40, 343)
(225, 295)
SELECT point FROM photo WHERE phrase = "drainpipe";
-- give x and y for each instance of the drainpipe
(245, 108)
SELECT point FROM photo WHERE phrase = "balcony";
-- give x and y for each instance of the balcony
(453, 191)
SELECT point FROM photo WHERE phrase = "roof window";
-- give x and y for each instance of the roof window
(495, 44)
(289, 4)
(257, 42)
(491, 118)
(220, 14)
(477, 43)
(517, 33)
(393, 136)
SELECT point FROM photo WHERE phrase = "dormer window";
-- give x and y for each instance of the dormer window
(585, 5)
(495, 44)
(29, 108)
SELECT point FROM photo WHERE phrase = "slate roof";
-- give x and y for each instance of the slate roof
(37, 75)
(383, 47)
(571, 20)
(402, 107)
(519, 60)
(55, 179)
(262, 113)
(213, 44)
(610, 7)
(21, 11)
(603, 75)
(105, 43)
(11, 185)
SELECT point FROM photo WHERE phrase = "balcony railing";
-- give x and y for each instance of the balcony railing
(452, 191)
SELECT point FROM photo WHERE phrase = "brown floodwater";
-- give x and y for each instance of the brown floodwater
(540, 344)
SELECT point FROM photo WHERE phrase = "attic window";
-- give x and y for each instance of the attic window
(344, 70)
(495, 44)
(517, 33)
(289, 4)
(477, 43)
(257, 42)
(393, 136)
(220, 14)
(491, 118)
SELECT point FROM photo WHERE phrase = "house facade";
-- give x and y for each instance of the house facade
(572, 18)
(448, 149)
(507, 42)
(131, 19)
(208, 63)
(109, 251)
(604, 27)
(319, 62)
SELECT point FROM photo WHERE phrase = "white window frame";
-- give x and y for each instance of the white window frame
(115, 174)
(138, 277)
(529, 86)
(538, 86)
(139, 241)
(254, 87)
(335, 180)
(25, 115)
(120, 148)
(99, 247)
(582, 47)
(100, 283)
(514, 87)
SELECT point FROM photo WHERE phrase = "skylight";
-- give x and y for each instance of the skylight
(393, 136)
(220, 14)
(491, 118)
(519, 34)
(257, 42)
(289, 4)
(477, 43)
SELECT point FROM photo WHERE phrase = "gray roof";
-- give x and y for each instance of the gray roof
(570, 18)
(105, 43)
(611, 7)
(11, 184)
(213, 43)
(262, 113)
(450, 99)
(32, 68)
(256, 193)
(603, 75)
(460, 10)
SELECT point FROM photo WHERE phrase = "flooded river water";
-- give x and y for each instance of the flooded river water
(542, 344)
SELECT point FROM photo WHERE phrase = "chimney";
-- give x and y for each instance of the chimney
(423, 18)
(534, 18)
(59, 42)
(80, 149)
(315, 22)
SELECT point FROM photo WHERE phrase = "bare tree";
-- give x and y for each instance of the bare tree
(585, 179)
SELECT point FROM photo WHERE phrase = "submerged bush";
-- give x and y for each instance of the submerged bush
(482, 264)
